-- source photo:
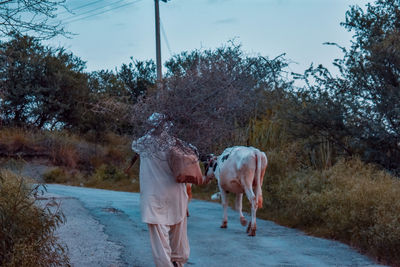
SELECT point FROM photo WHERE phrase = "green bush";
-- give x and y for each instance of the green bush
(113, 178)
(352, 202)
(60, 175)
(56, 175)
(108, 173)
(27, 228)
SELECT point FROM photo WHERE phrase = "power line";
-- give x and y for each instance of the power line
(165, 38)
(73, 17)
(88, 4)
(102, 12)
(80, 7)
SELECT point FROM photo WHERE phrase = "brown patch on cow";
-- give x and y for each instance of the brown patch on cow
(259, 202)
(243, 221)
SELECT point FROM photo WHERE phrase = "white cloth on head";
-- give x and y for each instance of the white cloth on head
(158, 119)
(155, 119)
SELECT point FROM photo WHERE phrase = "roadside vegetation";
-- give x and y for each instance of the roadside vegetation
(70, 159)
(333, 145)
(330, 196)
(27, 231)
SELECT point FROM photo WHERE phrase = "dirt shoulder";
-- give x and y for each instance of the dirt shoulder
(84, 236)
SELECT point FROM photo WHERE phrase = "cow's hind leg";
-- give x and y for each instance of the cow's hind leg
(238, 206)
(224, 201)
(251, 229)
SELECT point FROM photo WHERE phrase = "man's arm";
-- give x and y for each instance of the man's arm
(133, 160)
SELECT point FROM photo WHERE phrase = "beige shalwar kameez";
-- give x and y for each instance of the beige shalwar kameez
(163, 204)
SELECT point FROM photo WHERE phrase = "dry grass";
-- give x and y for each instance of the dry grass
(64, 149)
(78, 161)
(65, 155)
(27, 232)
(352, 202)
(14, 140)
(310, 187)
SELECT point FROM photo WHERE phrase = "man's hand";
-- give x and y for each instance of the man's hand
(133, 160)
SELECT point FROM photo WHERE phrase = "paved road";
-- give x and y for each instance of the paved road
(104, 229)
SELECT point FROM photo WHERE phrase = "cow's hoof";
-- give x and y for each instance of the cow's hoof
(224, 225)
(248, 228)
(243, 221)
(252, 232)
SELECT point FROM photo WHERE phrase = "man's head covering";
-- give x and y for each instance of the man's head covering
(157, 137)
(155, 119)
(158, 119)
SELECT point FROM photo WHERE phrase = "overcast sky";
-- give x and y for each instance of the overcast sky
(109, 32)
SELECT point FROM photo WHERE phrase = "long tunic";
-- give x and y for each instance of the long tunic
(162, 199)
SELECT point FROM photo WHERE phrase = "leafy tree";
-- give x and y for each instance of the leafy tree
(360, 109)
(130, 81)
(112, 92)
(104, 86)
(138, 77)
(42, 87)
(106, 82)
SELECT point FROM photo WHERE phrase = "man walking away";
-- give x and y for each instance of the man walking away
(163, 201)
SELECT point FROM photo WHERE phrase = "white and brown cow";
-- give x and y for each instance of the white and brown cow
(239, 170)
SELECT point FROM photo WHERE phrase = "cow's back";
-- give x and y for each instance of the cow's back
(235, 163)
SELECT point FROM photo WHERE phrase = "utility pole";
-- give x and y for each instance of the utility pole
(158, 43)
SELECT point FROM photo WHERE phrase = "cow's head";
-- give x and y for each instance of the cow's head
(210, 162)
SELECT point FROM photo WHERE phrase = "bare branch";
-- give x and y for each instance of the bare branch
(36, 18)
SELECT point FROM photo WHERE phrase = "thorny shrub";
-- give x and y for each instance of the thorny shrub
(27, 229)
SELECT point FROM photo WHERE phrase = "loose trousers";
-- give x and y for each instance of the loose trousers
(169, 243)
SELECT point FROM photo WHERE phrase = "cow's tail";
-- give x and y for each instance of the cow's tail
(258, 179)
